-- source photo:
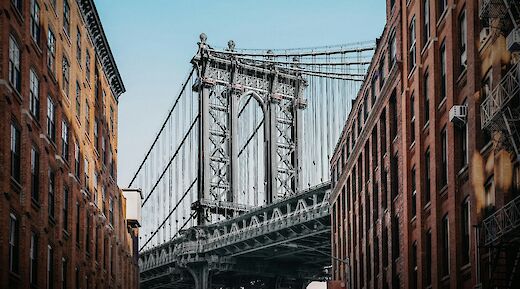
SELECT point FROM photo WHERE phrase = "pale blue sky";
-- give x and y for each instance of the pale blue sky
(154, 40)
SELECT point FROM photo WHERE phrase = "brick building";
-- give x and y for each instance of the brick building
(61, 211)
(417, 166)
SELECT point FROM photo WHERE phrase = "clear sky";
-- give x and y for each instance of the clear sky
(154, 40)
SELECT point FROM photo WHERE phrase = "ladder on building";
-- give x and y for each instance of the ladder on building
(504, 267)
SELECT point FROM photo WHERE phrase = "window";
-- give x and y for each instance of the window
(51, 51)
(414, 266)
(15, 152)
(103, 153)
(373, 93)
(487, 85)
(445, 246)
(76, 160)
(65, 75)
(382, 132)
(33, 259)
(111, 208)
(375, 202)
(51, 118)
(443, 4)
(427, 177)
(395, 238)
(465, 230)
(87, 234)
(65, 140)
(34, 95)
(393, 116)
(411, 43)
(426, 21)
(414, 193)
(392, 49)
(17, 4)
(426, 93)
(95, 186)
(66, 209)
(66, 17)
(103, 199)
(35, 21)
(412, 118)
(77, 278)
(489, 197)
(35, 174)
(444, 158)
(64, 269)
(50, 267)
(14, 64)
(384, 189)
(52, 187)
(87, 66)
(14, 244)
(78, 219)
(394, 173)
(78, 100)
(444, 78)
(463, 142)
(428, 261)
(86, 171)
(381, 72)
(78, 46)
(96, 134)
(463, 40)
(87, 116)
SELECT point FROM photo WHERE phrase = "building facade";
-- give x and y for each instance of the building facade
(61, 211)
(420, 185)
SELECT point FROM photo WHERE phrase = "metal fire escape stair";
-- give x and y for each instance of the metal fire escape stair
(500, 110)
(505, 263)
(502, 237)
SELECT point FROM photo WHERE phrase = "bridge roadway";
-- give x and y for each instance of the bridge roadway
(285, 244)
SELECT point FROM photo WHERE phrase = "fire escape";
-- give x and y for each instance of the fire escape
(500, 116)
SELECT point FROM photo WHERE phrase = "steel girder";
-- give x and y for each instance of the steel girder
(223, 80)
(257, 237)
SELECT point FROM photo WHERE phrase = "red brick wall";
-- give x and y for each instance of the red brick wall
(16, 198)
(462, 87)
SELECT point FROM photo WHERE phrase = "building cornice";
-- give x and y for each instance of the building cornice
(102, 48)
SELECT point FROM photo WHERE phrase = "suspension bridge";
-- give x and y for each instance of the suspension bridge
(236, 182)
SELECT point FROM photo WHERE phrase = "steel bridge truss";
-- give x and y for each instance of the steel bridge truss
(223, 80)
(252, 246)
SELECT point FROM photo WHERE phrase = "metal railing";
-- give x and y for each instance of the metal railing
(502, 222)
(492, 9)
(500, 96)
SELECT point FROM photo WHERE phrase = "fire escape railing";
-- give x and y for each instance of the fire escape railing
(508, 87)
(502, 222)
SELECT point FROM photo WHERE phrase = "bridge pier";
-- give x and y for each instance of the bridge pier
(201, 275)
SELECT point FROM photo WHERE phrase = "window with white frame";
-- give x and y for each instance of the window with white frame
(14, 64)
(51, 51)
(51, 119)
(35, 21)
(34, 95)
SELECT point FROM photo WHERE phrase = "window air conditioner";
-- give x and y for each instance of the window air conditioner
(458, 114)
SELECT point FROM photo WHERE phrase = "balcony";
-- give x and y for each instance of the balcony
(498, 100)
(502, 222)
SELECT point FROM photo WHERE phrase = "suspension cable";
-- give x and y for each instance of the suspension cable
(171, 159)
(251, 137)
(162, 127)
(312, 53)
(308, 63)
(169, 215)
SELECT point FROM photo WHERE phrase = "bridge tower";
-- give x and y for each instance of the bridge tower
(224, 80)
